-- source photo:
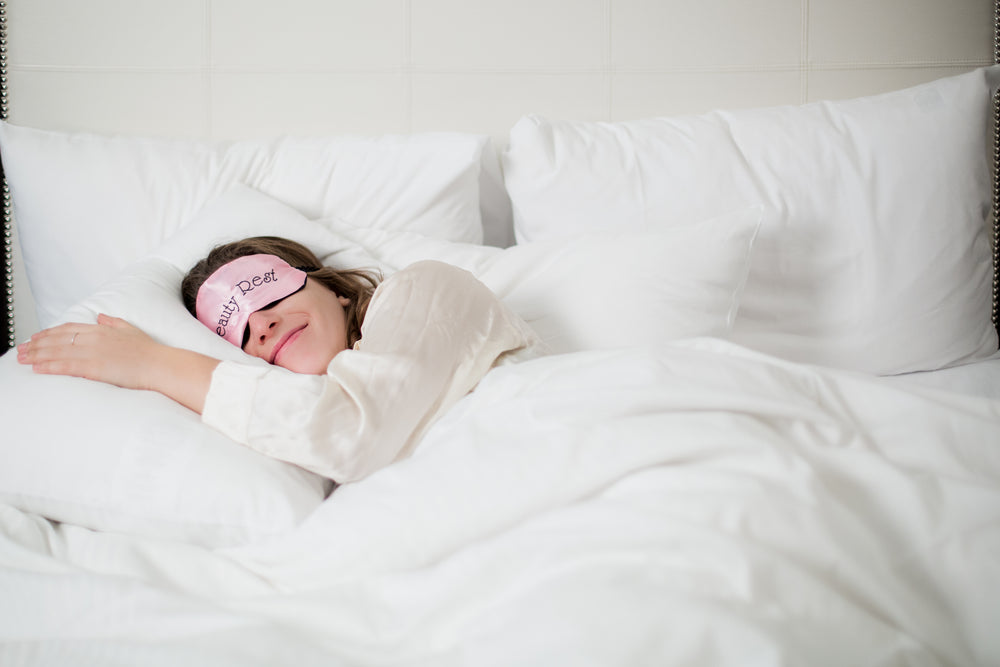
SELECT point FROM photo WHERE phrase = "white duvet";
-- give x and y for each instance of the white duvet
(686, 504)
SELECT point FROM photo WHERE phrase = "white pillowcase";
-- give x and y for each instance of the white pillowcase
(601, 291)
(86, 205)
(878, 259)
(113, 459)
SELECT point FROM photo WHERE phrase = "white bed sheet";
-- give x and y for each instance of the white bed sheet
(691, 503)
(976, 379)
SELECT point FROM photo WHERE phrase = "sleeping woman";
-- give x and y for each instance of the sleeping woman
(356, 370)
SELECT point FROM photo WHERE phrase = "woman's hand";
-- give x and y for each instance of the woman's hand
(111, 351)
(115, 352)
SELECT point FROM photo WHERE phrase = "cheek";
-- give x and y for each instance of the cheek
(312, 356)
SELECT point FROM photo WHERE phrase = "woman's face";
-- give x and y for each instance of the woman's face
(302, 332)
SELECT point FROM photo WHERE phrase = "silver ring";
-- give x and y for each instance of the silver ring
(72, 341)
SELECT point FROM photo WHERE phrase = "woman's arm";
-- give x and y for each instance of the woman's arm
(118, 353)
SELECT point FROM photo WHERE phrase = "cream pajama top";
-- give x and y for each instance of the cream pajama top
(430, 334)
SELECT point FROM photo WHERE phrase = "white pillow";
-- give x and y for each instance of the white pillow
(113, 459)
(88, 205)
(601, 291)
(878, 261)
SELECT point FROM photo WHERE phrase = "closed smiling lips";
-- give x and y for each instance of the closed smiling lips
(285, 340)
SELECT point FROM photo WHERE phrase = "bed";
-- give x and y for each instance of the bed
(759, 245)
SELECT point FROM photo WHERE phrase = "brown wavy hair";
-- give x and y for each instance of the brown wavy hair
(358, 285)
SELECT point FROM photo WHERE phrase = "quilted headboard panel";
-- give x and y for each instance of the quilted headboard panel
(230, 69)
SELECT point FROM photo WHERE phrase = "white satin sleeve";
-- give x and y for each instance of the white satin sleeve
(431, 332)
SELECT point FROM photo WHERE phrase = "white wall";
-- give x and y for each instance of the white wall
(235, 68)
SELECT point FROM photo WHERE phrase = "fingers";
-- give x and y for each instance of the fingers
(108, 320)
(72, 333)
(55, 366)
(64, 334)
(62, 350)
(50, 346)
(111, 351)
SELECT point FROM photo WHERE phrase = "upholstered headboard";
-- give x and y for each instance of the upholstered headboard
(996, 174)
(233, 69)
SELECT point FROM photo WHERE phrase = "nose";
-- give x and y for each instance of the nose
(260, 324)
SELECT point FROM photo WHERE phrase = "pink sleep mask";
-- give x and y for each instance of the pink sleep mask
(242, 287)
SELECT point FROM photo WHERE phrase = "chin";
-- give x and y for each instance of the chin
(307, 366)
(304, 369)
